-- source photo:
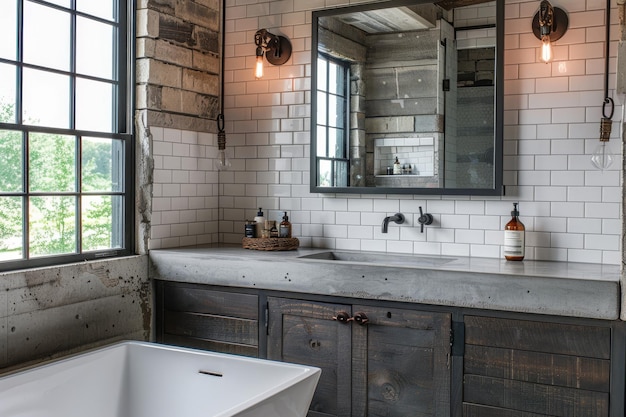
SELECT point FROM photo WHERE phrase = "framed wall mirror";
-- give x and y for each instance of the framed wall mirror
(407, 98)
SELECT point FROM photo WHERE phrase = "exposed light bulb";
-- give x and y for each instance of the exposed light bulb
(546, 49)
(222, 163)
(603, 156)
(258, 68)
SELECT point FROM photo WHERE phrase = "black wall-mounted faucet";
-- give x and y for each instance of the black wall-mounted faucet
(397, 218)
(424, 219)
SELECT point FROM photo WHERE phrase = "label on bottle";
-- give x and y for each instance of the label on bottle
(283, 230)
(513, 243)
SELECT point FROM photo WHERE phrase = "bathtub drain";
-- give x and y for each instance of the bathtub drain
(211, 373)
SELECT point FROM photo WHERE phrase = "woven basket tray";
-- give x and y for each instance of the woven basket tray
(271, 243)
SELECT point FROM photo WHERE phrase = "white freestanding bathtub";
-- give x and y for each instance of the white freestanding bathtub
(136, 379)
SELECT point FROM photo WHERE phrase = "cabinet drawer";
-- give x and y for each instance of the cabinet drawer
(512, 367)
(222, 303)
(208, 319)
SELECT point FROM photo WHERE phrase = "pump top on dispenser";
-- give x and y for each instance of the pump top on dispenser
(514, 236)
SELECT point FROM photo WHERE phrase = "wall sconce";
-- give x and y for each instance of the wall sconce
(277, 50)
(549, 25)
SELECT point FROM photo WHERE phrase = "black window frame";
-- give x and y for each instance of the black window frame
(345, 159)
(122, 132)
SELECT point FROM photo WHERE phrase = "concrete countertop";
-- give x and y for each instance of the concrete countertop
(554, 288)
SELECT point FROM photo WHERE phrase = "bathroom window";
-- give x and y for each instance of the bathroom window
(66, 182)
(332, 124)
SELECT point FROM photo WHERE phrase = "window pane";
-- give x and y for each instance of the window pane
(46, 36)
(99, 230)
(321, 141)
(11, 228)
(335, 143)
(341, 174)
(99, 8)
(52, 225)
(10, 161)
(321, 109)
(7, 93)
(102, 164)
(94, 105)
(324, 173)
(94, 48)
(46, 99)
(52, 160)
(8, 29)
(335, 111)
(321, 74)
(335, 79)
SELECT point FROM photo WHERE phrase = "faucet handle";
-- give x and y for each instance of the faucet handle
(424, 219)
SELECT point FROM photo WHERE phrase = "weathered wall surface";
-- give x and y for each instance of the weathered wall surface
(50, 312)
(178, 88)
(178, 63)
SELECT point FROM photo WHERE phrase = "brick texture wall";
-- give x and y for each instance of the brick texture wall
(178, 89)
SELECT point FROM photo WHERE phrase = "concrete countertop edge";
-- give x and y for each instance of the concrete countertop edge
(563, 289)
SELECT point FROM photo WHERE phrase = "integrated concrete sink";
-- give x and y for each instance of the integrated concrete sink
(378, 258)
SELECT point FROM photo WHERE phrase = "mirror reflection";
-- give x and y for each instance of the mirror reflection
(407, 98)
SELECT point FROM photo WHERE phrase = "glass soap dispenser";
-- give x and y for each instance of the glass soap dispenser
(284, 229)
(514, 235)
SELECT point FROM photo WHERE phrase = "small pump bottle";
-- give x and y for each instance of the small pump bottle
(397, 168)
(284, 230)
(514, 236)
(260, 223)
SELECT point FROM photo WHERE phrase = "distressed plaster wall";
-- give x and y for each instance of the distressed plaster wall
(48, 312)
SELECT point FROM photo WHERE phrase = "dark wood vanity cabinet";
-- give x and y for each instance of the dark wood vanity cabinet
(396, 359)
(529, 368)
(375, 361)
(193, 316)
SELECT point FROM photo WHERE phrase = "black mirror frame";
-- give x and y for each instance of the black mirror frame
(498, 188)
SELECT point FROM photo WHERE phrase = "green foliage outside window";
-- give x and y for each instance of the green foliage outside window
(53, 219)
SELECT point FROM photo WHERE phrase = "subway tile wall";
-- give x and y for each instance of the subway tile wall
(185, 195)
(552, 112)
(571, 211)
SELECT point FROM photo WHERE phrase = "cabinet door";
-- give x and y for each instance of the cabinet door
(526, 368)
(304, 332)
(400, 363)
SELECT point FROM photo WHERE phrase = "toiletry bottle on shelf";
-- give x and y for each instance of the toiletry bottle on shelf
(250, 229)
(397, 168)
(514, 236)
(284, 229)
(273, 229)
(260, 223)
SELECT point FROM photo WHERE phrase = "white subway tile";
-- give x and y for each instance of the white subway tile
(568, 209)
(469, 236)
(586, 256)
(567, 240)
(583, 225)
(427, 248)
(550, 224)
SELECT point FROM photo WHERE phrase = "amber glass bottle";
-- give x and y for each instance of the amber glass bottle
(514, 236)
(284, 229)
